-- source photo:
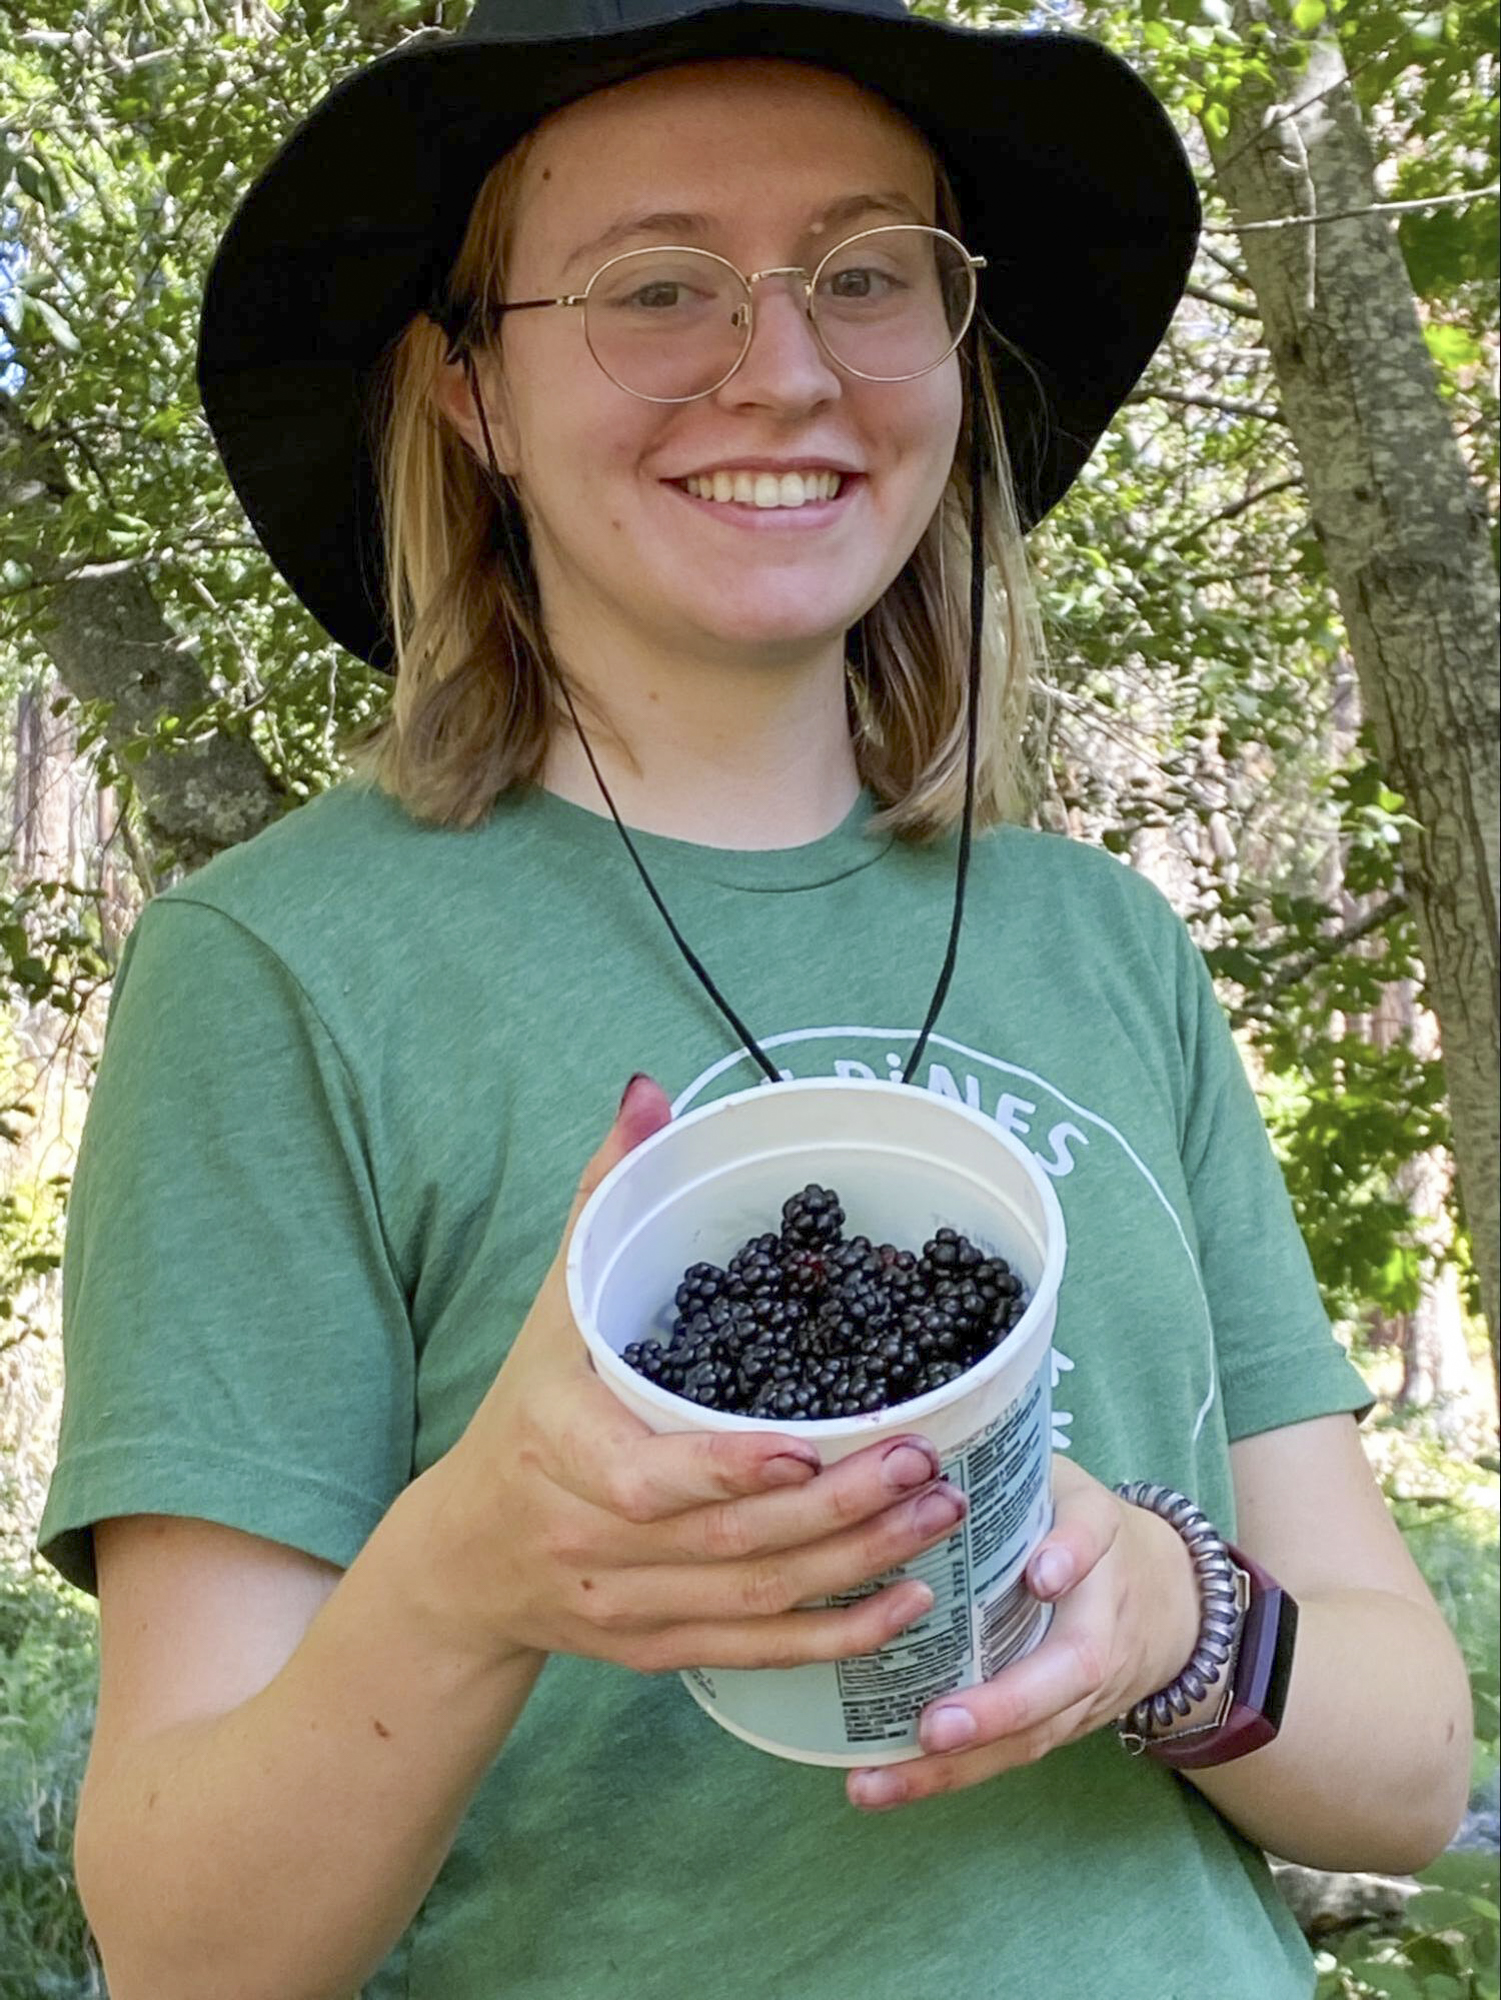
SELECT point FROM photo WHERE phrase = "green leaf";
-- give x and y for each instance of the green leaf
(57, 327)
(33, 181)
(1391, 1981)
(1464, 1869)
(1453, 346)
(1308, 15)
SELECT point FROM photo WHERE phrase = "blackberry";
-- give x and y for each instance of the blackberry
(813, 1217)
(701, 1285)
(804, 1324)
(756, 1277)
(804, 1272)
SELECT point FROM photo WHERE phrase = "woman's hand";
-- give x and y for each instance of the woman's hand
(1125, 1622)
(564, 1524)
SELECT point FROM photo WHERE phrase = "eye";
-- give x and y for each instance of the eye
(861, 283)
(658, 295)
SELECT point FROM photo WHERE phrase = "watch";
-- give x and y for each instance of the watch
(1250, 1707)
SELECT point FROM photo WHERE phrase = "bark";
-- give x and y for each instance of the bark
(1436, 1370)
(108, 641)
(1406, 539)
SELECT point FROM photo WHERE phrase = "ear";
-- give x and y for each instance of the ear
(454, 396)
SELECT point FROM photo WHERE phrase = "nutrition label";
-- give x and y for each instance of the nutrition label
(982, 1609)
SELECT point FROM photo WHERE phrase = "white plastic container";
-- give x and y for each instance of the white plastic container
(904, 1162)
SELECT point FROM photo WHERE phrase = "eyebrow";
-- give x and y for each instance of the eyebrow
(683, 226)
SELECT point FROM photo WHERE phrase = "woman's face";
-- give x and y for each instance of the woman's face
(768, 164)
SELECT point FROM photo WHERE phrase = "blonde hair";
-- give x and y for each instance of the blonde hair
(475, 702)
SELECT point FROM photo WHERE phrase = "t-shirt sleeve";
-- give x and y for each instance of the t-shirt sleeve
(236, 1343)
(1278, 1357)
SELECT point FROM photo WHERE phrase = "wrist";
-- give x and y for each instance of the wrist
(1172, 1593)
(440, 1566)
(1243, 1656)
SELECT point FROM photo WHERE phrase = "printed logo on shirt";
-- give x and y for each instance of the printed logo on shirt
(1057, 1131)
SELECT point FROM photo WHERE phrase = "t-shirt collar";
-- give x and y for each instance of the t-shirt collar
(844, 851)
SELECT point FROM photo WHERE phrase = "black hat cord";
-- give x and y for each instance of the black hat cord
(976, 632)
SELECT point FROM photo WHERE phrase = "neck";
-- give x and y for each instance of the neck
(751, 755)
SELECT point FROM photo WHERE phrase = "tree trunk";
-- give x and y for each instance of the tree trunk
(106, 637)
(1406, 540)
(1436, 1371)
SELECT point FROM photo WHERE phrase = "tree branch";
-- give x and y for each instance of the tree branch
(1226, 405)
(1223, 300)
(1337, 941)
(1227, 264)
(1345, 214)
(1236, 507)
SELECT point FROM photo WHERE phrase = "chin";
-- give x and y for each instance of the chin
(785, 642)
(792, 628)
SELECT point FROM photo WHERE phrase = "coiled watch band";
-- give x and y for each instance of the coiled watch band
(1247, 1629)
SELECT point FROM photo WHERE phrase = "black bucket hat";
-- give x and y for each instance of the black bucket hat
(1070, 178)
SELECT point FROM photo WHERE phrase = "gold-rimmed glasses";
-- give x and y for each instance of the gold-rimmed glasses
(672, 323)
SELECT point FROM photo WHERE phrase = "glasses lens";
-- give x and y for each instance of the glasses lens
(892, 303)
(667, 324)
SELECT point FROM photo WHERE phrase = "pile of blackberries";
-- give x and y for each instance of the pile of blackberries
(805, 1324)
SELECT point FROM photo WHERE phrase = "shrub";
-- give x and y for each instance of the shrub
(48, 1683)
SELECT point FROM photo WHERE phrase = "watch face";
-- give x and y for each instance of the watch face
(1266, 1655)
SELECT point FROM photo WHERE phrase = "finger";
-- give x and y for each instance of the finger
(643, 1110)
(891, 1785)
(599, 1451)
(767, 1586)
(1071, 1665)
(857, 1489)
(1086, 1521)
(796, 1638)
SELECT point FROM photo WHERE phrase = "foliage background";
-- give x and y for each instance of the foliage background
(1201, 720)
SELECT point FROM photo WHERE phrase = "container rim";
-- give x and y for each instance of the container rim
(1018, 1341)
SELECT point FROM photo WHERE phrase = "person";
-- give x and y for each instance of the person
(640, 390)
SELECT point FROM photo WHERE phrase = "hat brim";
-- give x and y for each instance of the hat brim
(1071, 182)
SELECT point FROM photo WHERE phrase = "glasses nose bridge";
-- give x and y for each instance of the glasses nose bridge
(750, 279)
(753, 278)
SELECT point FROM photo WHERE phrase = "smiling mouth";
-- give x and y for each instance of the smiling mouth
(765, 489)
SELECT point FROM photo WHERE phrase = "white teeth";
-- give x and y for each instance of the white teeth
(766, 489)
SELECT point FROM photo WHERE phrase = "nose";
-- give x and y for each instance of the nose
(784, 368)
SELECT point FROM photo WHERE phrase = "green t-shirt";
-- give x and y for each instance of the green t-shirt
(352, 1071)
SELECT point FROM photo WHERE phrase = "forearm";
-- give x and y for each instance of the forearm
(1370, 1769)
(279, 1851)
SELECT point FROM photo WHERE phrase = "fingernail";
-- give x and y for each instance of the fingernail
(947, 1728)
(939, 1509)
(639, 1077)
(918, 1602)
(877, 1788)
(908, 1465)
(787, 1470)
(1052, 1572)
